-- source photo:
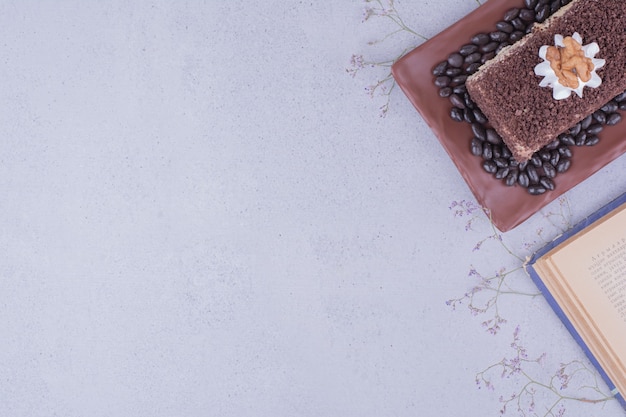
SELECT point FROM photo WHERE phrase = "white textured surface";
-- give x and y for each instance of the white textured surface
(202, 215)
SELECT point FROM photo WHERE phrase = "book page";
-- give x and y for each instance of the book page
(593, 266)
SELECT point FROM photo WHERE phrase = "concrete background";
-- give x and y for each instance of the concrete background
(204, 215)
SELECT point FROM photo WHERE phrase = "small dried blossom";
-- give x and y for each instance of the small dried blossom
(367, 13)
(463, 208)
(357, 62)
(493, 325)
(563, 377)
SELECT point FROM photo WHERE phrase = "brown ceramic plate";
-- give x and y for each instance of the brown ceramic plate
(508, 206)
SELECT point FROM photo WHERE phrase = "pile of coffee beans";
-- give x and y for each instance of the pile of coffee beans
(536, 175)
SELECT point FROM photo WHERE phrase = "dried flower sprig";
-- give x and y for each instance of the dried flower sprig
(559, 221)
(551, 390)
(465, 208)
(389, 11)
(386, 83)
(485, 296)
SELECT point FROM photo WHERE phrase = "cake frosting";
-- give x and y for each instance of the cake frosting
(545, 69)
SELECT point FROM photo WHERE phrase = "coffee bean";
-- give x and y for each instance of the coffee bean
(599, 116)
(456, 114)
(442, 81)
(459, 79)
(489, 47)
(493, 137)
(479, 131)
(519, 24)
(535, 160)
(592, 140)
(527, 15)
(584, 124)
(502, 172)
(504, 26)
(565, 152)
(533, 174)
(620, 97)
(554, 6)
(511, 178)
(487, 151)
(472, 68)
(440, 68)
(568, 139)
(574, 130)
(502, 46)
(480, 39)
(501, 162)
(476, 147)
(549, 170)
(457, 101)
(523, 179)
(563, 165)
(468, 49)
(530, 3)
(468, 101)
(459, 89)
(445, 92)
(506, 153)
(594, 129)
(610, 107)
(490, 166)
(455, 60)
(536, 189)
(516, 36)
(580, 138)
(473, 58)
(547, 183)
(544, 154)
(479, 116)
(497, 152)
(511, 14)
(553, 145)
(622, 105)
(542, 13)
(555, 157)
(468, 115)
(453, 72)
(613, 119)
(489, 55)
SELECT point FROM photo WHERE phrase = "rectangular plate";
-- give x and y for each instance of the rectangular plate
(508, 206)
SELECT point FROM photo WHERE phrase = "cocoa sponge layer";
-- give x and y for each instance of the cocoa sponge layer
(507, 90)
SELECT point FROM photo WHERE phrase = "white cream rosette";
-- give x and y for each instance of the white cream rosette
(559, 91)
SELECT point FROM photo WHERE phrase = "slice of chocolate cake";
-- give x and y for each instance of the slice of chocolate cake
(521, 105)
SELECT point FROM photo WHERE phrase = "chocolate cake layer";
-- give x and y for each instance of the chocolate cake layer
(507, 89)
(507, 206)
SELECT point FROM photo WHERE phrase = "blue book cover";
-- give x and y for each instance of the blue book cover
(618, 203)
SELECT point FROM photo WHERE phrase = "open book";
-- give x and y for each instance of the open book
(582, 274)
